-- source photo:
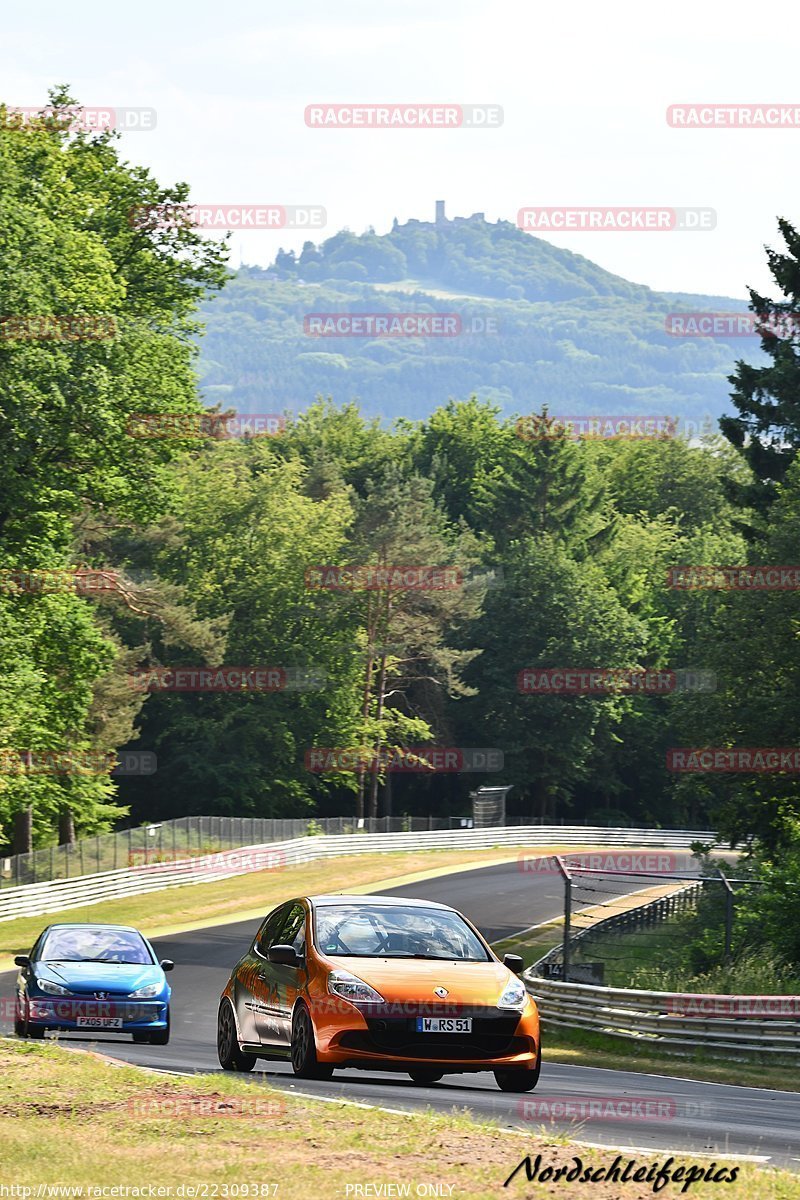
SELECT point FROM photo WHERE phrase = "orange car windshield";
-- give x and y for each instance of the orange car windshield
(395, 932)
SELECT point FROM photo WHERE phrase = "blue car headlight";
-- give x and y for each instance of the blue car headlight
(147, 992)
(52, 989)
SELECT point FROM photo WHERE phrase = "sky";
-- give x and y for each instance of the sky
(584, 89)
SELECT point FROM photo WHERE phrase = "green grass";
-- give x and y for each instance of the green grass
(73, 1119)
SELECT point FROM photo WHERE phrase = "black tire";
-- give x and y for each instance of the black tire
(304, 1048)
(34, 1031)
(160, 1037)
(19, 1024)
(520, 1081)
(141, 1037)
(231, 1057)
(422, 1075)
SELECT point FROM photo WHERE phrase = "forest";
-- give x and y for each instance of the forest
(339, 615)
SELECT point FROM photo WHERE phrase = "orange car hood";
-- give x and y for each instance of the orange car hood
(415, 978)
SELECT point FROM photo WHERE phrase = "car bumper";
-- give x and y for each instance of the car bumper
(83, 1016)
(499, 1039)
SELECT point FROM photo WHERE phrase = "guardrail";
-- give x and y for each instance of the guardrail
(753, 1023)
(38, 898)
(668, 1019)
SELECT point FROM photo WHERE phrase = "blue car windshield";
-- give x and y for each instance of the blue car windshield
(76, 944)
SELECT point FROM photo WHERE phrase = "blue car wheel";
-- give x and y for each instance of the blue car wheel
(156, 1037)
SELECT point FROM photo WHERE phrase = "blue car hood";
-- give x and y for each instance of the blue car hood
(82, 977)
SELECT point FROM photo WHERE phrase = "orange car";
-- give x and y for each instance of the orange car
(381, 983)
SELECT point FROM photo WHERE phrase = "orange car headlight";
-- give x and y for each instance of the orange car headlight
(514, 997)
(350, 987)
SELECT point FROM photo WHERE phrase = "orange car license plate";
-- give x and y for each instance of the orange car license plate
(444, 1024)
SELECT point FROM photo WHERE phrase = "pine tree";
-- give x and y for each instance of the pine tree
(767, 430)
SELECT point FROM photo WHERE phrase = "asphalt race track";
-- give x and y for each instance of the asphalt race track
(691, 1116)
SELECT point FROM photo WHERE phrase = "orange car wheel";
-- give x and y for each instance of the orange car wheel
(304, 1048)
(230, 1056)
(424, 1076)
(519, 1081)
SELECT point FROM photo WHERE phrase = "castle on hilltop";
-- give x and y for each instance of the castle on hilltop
(441, 219)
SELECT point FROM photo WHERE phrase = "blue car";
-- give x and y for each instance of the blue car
(93, 978)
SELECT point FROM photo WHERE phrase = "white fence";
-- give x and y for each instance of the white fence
(35, 899)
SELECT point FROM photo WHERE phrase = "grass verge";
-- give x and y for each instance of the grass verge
(73, 1119)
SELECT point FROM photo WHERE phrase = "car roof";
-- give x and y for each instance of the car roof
(92, 925)
(366, 900)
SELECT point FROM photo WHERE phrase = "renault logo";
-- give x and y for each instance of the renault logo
(440, 992)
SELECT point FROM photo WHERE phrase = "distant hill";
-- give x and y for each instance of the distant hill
(538, 324)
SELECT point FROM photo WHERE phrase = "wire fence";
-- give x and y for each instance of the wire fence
(638, 927)
(191, 837)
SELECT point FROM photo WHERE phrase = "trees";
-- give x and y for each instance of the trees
(767, 429)
(551, 612)
(115, 303)
(244, 536)
(411, 666)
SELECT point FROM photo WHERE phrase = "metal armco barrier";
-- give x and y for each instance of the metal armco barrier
(656, 1019)
(763, 1024)
(37, 898)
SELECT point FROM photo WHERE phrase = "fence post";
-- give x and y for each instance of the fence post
(567, 914)
(728, 916)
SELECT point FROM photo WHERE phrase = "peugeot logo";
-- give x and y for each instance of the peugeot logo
(441, 992)
(101, 995)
